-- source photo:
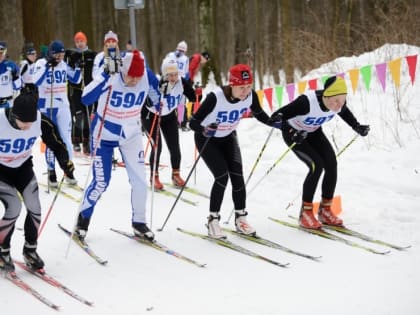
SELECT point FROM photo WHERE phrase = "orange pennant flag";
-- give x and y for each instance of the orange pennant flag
(354, 78)
(395, 67)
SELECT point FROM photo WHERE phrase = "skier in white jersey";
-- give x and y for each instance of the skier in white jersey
(117, 124)
(183, 62)
(21, 125)
(302, 122)
(51, 76)
(27, 69)
(217, 118)
(10, 80)
(176, 88)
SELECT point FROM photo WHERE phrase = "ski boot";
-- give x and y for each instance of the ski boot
(307, 219)
(143, 231)
(241, 223)
(31, 257)
(213, 227)
(325, 214)
(6, 262)
(177, 179)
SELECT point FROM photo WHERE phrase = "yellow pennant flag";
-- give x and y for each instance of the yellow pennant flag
(301, 87)
(395, 67)
(260, 94)
(354, 78)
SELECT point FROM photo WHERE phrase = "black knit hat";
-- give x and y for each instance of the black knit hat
(206, 55)
(25, 108)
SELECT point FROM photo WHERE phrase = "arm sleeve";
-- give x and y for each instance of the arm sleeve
(207, 106)
(74, 75)
(188, 90)
(24, 69)
(154, 93)
(94, 89)
(348, 117)
(51, 137)
(300, 106)
(41, 71)
(257, 110)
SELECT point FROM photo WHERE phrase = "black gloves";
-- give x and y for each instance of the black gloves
(299, 136)
(362, 130)
(69, 169)
(210, 130)
(276, 120)
(51, 61)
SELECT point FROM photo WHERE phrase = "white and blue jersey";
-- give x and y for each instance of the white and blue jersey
(117, 124)
(171, 100)
(53, 100)
(312, 120)
(15, 144)
(227, 114)
(182, 61)
(7, 84)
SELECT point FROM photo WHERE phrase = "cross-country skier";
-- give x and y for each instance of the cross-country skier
(176, 88)
(9, 77)
(51, 76)
(217, 118)
(182, 60)
(301, 123)
(117, 124)
(27, 69)
(21, 125)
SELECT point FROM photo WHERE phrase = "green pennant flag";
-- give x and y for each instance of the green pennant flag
(279, 95)
(366, 72)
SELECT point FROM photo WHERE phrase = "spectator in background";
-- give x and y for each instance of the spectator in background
(80, 56)
(129, 46)
(196, 62)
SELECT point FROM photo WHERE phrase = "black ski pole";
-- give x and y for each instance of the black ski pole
(186, 181)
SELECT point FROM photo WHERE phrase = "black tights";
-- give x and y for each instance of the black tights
(317, 153)
(223, 158)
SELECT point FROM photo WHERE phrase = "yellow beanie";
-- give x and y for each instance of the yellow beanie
(335, 86)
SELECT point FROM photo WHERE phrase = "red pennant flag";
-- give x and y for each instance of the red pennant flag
(269, 97)
(313, 84)
(412, 64)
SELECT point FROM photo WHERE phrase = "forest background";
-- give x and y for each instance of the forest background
(281, 38)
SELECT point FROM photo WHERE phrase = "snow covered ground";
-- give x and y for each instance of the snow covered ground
(379, 186)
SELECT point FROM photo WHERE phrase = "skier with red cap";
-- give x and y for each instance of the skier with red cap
(117, 124)
(217, 118)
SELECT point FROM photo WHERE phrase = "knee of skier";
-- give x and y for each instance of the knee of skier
(222, 180)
